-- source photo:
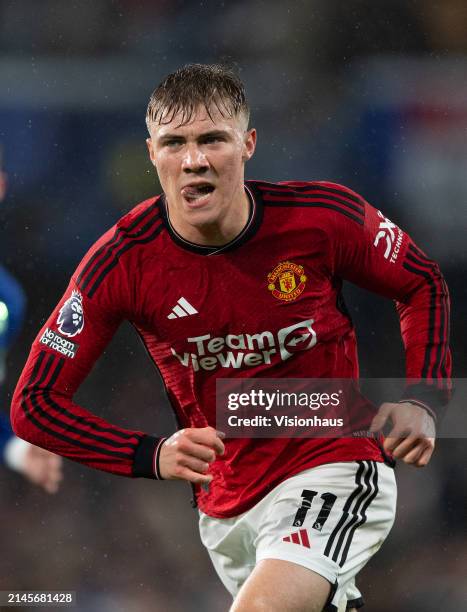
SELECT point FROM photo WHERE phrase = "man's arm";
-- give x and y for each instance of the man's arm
(43, 411)
(372, 252)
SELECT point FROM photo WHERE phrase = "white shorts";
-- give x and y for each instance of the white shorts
(331, 519)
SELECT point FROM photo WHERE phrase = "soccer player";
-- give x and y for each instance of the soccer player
(227, 278)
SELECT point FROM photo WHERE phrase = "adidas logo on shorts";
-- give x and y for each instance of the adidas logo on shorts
(298, 537)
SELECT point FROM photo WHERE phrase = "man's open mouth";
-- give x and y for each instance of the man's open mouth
(195, 193)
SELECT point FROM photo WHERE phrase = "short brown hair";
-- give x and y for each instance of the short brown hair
(208, 85)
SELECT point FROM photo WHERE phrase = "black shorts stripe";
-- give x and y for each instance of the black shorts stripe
(117, 232)
(363, 517)
(346, 509)
(333, 190)
(113, 246)
(126, 247)
(355, 511)
(287, 203)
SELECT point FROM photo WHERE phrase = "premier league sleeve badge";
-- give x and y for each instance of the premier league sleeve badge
(70, 319)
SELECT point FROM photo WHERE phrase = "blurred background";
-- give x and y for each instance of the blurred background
(371, 94)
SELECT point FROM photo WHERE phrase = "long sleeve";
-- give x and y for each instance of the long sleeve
(43, 411)
(372, 252)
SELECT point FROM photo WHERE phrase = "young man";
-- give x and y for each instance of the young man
(226, 278)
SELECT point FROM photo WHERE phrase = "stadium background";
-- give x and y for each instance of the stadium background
(371, 94)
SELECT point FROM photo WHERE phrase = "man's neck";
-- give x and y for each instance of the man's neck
(220, 232)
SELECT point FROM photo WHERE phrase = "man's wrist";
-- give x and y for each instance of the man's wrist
(420, 404)
(431, 396)
(145, 461)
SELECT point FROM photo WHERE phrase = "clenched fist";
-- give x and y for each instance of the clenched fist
(188, 454)
(412, 437)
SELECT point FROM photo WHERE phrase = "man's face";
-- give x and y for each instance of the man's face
(201, 167)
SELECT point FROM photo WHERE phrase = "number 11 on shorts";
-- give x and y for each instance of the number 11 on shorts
(307, 500)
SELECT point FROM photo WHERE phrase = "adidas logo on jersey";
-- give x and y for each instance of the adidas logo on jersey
(298, 537)
(183, 308)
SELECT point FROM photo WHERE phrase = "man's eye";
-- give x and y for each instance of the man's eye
(172, 143)
(212, 139)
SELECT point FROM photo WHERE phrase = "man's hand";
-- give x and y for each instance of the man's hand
(188, 453)
(42, 468)
(412, 437)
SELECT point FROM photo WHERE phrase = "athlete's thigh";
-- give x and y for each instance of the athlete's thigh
(282, 586)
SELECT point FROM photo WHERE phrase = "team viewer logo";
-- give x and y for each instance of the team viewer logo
(287, 281)
(70, 319)
(244, 350)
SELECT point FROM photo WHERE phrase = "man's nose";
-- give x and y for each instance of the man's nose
(194, 160)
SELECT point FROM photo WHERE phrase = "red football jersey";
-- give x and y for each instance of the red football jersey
(221, 312)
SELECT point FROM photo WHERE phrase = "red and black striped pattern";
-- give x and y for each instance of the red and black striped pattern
(316, 195)
(143, 229)
(109, 448)
(436, 352)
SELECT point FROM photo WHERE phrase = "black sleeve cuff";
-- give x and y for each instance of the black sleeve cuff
(146, 459)
(429, 396)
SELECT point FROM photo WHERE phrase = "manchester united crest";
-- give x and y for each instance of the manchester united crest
(287, 281)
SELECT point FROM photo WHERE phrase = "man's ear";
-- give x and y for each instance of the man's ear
(249, 144)
(150, 147)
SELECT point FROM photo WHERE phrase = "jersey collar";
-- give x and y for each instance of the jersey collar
(251, 227)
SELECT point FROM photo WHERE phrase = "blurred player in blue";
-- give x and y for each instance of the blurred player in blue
(36, 464)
